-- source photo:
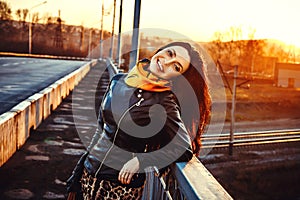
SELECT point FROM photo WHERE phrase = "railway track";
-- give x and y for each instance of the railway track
(251, 138)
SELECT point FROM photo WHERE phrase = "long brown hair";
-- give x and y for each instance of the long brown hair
(197, 78)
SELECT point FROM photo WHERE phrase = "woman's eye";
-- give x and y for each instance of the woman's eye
(176, 68)
(170, 53)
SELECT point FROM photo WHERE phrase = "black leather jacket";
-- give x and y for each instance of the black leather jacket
(135, 122)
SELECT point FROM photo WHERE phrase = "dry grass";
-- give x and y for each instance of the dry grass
(263, 101)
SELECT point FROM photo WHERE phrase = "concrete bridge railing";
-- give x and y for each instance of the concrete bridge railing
(15, 125)
(186, 180)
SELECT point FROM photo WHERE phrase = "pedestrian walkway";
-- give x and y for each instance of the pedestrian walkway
(39, 170)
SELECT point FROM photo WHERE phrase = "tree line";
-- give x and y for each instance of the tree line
(253, 56)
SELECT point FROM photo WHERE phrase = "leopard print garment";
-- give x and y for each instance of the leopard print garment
(94, 188)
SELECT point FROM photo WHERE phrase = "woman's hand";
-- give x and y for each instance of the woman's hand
(128, 170)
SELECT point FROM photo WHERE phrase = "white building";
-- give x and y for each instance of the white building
(287, 75)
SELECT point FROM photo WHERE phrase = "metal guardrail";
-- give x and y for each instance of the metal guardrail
(186, 180)
(111, 67)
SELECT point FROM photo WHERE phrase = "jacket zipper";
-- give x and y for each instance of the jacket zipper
(118, 127)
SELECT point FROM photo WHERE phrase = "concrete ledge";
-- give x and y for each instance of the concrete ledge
(196, 182)
(15, 125)
(8, 139)
(22, 111)
(36, 110)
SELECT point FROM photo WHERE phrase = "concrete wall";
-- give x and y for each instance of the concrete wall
(15, 124)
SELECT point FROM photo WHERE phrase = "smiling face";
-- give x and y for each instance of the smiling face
(170, 62)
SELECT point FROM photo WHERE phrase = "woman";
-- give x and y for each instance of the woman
(142, 122)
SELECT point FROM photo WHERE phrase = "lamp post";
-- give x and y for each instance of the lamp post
(112, 33)
(101, 29)
(103, 13)
(30, 27)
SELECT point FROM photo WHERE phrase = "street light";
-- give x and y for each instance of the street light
(30, 27)
(112, 33)
(103, 13)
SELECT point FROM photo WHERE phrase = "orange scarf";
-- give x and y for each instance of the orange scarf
(139, 77)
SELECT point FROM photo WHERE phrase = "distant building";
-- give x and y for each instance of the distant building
(287, 75)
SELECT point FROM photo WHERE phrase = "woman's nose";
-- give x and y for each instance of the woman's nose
(168, 61)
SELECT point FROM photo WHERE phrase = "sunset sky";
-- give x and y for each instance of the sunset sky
(196, 19)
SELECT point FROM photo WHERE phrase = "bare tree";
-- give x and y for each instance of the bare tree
(291, 51)
(229, 48)
(276, 49)
(256, 47)
(234, 46)
(35, 18)
(5, 11)
(216, 47)
(25, 13)
(18, 13)
(44, 18)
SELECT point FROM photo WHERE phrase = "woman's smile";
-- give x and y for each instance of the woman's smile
(160, 67)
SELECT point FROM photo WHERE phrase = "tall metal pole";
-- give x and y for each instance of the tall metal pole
(30, 35)
(30, 27)
(90, 41)
(135, 35)
(231, 142)
(119, 35)
(101, 30)
(112, 32)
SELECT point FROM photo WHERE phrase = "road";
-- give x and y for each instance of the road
(22, 77)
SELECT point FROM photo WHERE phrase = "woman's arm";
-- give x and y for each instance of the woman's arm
(97, 133)
(99, 129)
(174, 136)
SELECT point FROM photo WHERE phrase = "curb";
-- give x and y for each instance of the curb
(42, 56)
(15, 125)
